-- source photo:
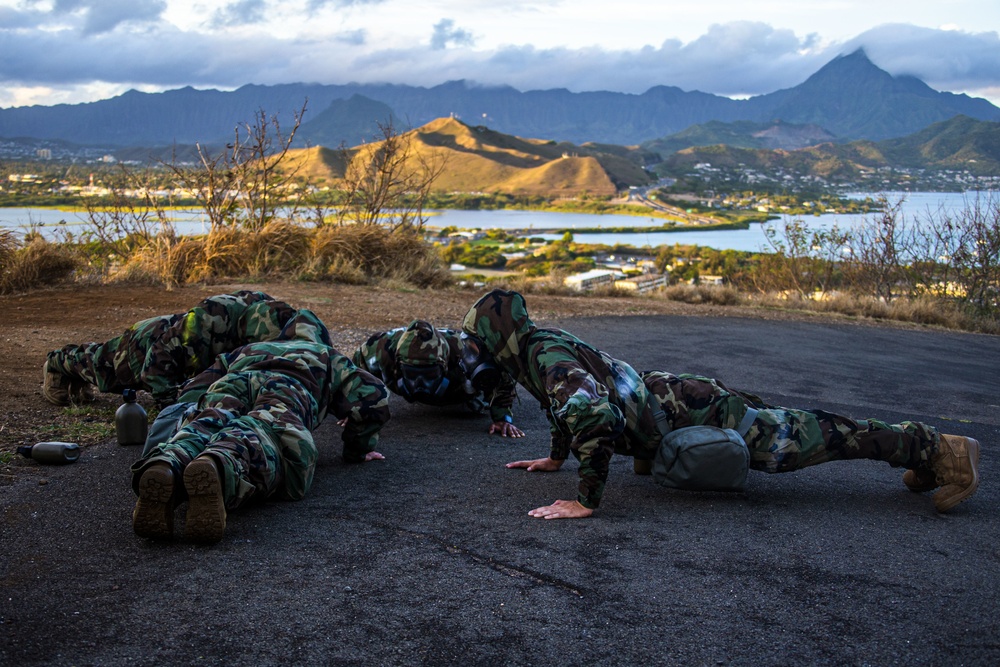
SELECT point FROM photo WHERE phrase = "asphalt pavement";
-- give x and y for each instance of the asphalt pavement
(430, 558)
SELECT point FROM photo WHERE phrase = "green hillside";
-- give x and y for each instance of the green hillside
(960, 143)
(741, 134)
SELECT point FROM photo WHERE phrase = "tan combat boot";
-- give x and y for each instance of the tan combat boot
(55, 386)
(206, 514)
(956, 467)
(920, 480)
(153, 515)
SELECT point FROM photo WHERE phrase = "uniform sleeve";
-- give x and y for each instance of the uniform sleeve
(591, 422)
(363, 399)
(502, 399)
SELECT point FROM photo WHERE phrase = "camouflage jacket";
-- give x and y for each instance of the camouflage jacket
(378, 356)
(596, 405)
(161, 352)
(302, 353)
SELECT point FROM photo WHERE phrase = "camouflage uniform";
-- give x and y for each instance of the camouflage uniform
(258, 405)
(421, 344)
(159, 353)
(598, 406)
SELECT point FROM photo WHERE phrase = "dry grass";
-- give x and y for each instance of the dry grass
(926, 310)
(718, 295)
(350, 254)
(36, 264)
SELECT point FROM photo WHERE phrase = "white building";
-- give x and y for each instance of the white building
(588, 280)
(642, 284)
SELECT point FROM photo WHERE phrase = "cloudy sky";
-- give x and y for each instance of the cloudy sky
(55, 51)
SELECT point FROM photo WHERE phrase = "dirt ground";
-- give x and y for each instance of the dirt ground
(34, 323)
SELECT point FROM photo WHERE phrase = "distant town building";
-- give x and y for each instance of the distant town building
(642, 284)
(23, 178)
(589, 280)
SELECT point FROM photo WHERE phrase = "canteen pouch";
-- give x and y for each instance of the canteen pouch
(166, 424)
(702, 458)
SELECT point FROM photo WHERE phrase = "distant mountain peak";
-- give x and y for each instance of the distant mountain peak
(855, 67)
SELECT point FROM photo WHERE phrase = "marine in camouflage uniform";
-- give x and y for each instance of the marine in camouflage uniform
(250, 435)
(423, 365)
(598, 406)
(159, 353)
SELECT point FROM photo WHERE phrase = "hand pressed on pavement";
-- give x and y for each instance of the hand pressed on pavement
(506, 429)
(373, 456)
(562, 509)
(541, 465)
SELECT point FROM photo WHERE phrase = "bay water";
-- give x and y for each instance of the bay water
(916, 206)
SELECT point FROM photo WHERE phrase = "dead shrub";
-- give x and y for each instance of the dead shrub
(612, 292)
(716, 295)
(374, 252)
(37, 264)
(8, 246)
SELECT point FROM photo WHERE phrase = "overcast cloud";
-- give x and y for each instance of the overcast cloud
(80, 50)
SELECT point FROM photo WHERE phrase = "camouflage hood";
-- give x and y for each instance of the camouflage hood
(305, 325)
(500, 319)
(421, 345)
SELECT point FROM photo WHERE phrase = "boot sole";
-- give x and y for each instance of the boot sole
(965, 493)
(153, 516)
(206, 514)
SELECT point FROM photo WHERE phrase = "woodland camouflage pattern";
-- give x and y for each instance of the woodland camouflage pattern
(785, 439)
(421, 344)
(598, 405)
(159, 353)
(258, 405)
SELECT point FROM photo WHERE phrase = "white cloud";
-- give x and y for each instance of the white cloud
(76, 48)
(241, 12)
(949, 60)
(445, 34)
(97, 16)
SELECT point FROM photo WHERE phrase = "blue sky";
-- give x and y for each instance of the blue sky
(68, 51)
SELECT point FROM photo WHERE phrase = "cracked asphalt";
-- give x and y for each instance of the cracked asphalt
(429, 557)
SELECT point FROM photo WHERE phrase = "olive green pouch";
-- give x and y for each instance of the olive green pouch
(704, 458)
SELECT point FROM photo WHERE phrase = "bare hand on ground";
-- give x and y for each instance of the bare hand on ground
(562, 509)
(541, 465)
(506, 429)
(373, 456)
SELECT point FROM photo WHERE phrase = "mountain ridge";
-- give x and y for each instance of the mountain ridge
(849, 97)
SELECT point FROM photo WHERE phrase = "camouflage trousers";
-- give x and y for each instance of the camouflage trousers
(112, 366)
(88, 362)
(784, 439)
(257, 425)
